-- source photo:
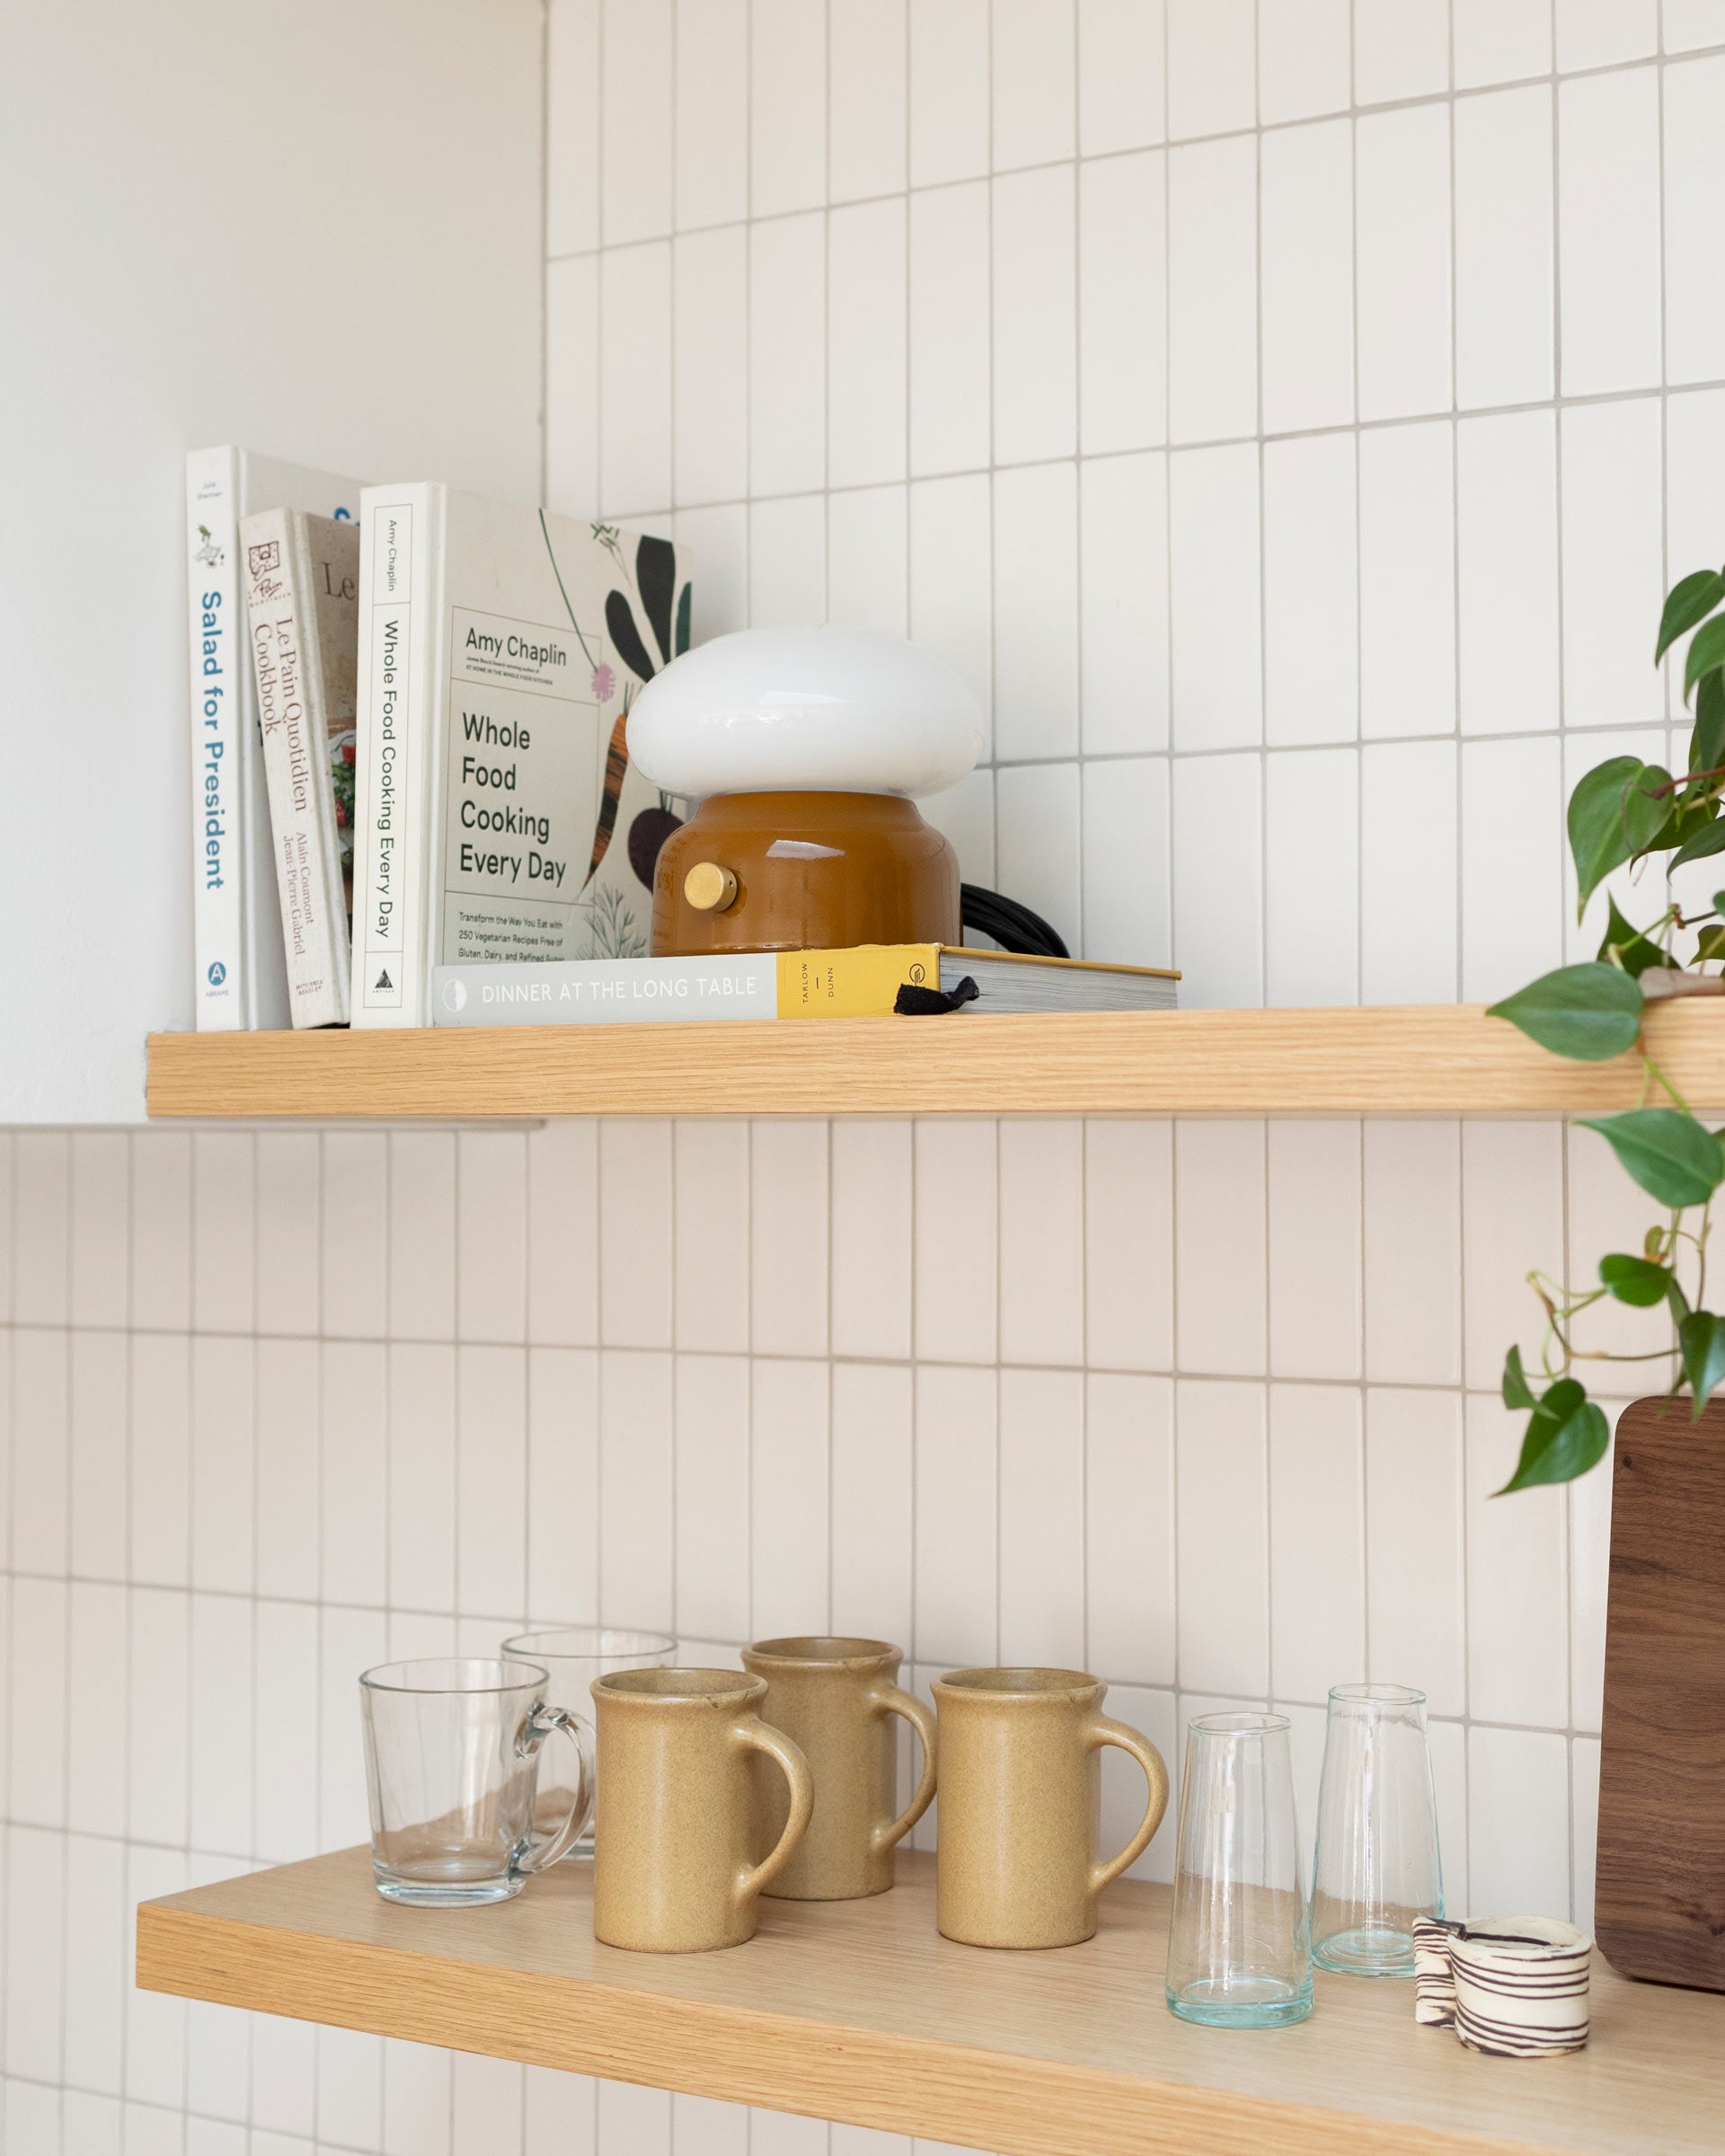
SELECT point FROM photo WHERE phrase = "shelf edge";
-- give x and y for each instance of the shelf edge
(1417, 1059)
(1005, 2100)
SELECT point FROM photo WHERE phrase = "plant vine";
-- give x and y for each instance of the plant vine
(1623, 814)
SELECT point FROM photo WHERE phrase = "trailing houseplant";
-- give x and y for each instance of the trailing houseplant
(1623, 814)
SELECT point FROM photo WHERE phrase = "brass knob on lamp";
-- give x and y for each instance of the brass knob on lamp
(710, 889)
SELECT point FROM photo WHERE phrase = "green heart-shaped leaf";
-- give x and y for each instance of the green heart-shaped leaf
(1516, 1392)
(1587, 1013)
(1689, 602)
(1633, 1279)
(1615, 813)
(1707, 741)
(1667, 1152)
(1701, 1337)
(1566, 1435)
(1635, 952)
(1709, 839)
(1706, 652)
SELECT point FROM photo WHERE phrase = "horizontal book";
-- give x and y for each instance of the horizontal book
(862, 983)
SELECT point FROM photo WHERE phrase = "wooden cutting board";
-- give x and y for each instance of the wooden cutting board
(1660, 1886)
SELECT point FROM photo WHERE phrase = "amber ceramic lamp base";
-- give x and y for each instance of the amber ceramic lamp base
(799, 872)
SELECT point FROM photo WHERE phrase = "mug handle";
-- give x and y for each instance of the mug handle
(538, 1726)
(757, 1735)
(891, 1699)
(1103, 1729)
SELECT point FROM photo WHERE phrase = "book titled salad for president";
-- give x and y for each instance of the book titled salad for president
(241, 979)
(498, 819)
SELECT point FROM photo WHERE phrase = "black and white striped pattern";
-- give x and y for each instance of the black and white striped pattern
(1434, 1976)
(1520, 1986)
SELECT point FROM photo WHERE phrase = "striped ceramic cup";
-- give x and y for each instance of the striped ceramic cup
(1521, 1986)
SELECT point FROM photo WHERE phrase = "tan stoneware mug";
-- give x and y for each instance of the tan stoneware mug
(836, 1699)
(675, 1867)
(1021, 1804)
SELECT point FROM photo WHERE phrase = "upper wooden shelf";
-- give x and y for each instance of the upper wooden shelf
(860, 2011)
(1420, 1059)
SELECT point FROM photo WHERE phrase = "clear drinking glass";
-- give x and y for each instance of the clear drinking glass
(1237, 1945)
(452, 1758)
(1376, 1870)
(575, 1656)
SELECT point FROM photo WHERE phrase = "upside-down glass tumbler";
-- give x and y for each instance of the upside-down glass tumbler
(1237, 1950)
(1376, 1870)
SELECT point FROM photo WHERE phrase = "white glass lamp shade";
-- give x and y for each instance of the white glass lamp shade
(805, 711)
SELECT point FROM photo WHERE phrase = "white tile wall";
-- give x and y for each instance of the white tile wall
(1097, 1397)
(1279, 440)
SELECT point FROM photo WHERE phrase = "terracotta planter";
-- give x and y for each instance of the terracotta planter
(1660, 1883)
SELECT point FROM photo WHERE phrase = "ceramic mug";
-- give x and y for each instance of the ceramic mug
(836, 1699)
(1021, 1801)
(674, 1855)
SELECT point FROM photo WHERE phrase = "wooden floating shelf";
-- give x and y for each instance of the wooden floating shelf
(860, 2011)
(1420, 1059)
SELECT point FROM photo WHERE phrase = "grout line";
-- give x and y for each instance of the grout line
(885, 1361)
(1354, 110)
(1642, 392)
(544, 249)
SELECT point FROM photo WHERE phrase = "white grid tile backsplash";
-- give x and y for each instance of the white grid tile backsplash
(1286, 416)
(1093, 1396)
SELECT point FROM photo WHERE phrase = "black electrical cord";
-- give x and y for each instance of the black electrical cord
(1012, 926)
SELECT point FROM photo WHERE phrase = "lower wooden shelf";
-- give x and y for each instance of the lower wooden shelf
(860, 2011)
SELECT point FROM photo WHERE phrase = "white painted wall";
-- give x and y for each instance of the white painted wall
(313, 229)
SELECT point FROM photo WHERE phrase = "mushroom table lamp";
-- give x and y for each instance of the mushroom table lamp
(806, 748)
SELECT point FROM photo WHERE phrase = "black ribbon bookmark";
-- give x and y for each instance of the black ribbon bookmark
(913, 1002)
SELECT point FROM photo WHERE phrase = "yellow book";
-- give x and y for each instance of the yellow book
(862, 982)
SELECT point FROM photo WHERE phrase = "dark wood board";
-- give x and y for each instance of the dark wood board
(1660, 1883)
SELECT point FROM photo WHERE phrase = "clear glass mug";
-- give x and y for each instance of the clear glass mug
(453, 1748)
(1237, 1943)
(1376, 1870)
(575, 1656)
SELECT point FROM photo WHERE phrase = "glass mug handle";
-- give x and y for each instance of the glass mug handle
(1103, 1729)
(889, 1698)
(540, 1723)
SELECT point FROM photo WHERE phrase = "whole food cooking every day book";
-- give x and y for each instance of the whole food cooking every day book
(500, 649)
(240, 979)
(302, 597)
(860, 983)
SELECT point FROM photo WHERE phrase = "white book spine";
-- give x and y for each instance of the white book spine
(392, 794)
(219, 706)
(606, 992)
(290, 670)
